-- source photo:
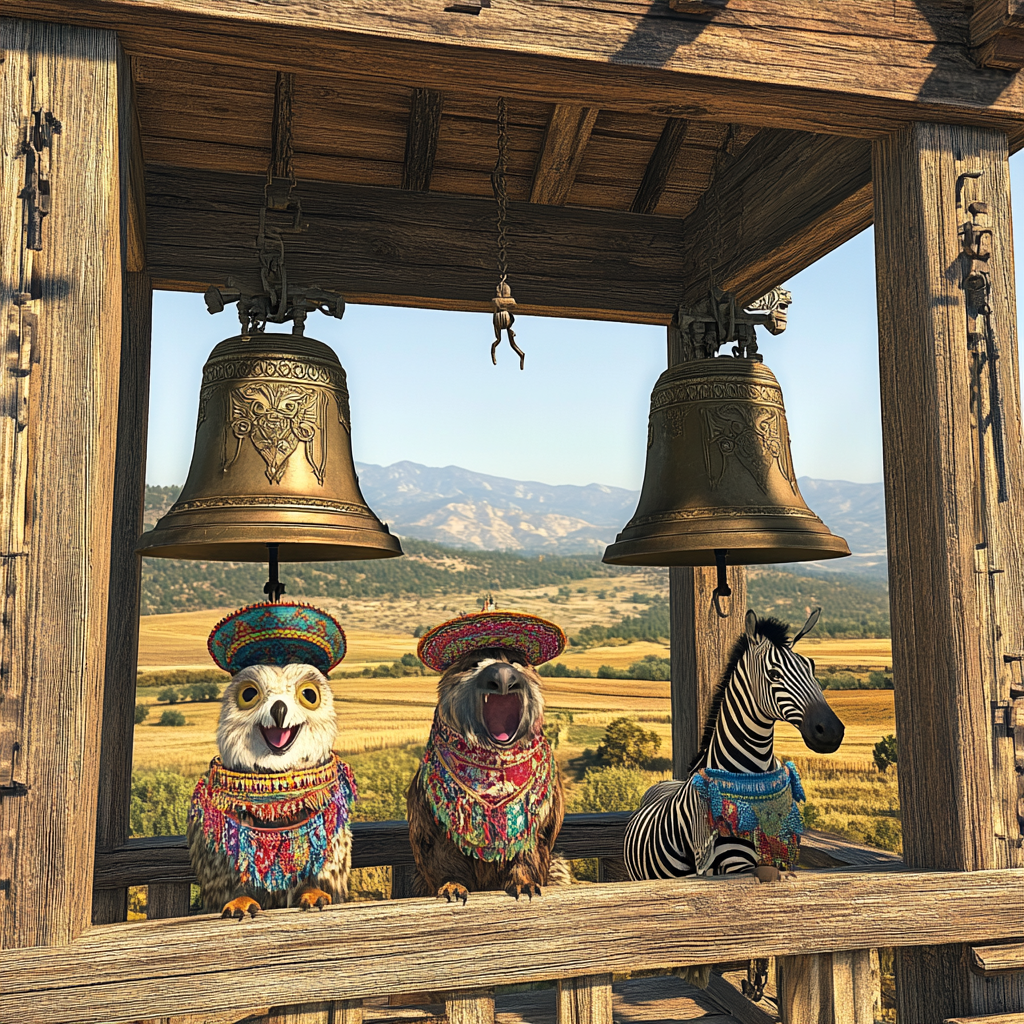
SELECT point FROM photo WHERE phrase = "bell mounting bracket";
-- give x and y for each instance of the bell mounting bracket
(256, 310)
(719, 320)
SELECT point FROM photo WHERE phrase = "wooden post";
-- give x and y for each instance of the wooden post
(62, 304)
(701, 639)
(471, 1007)
(586, 1000)
(111, 905)
(954, 545)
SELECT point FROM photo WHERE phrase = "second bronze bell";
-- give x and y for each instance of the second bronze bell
(272, 462)
(719, 475)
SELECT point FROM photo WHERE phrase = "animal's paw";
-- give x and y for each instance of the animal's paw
(241, 906)
(767, 873)
(311, 898)
(452, 891)
(529, 889)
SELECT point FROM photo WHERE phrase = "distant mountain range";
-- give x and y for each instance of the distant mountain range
(464, 509)
(475, 511)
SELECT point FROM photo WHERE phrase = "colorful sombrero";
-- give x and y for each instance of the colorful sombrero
(277, 634)
(536, 639)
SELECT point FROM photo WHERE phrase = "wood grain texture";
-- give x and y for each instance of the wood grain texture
(118, 729)
(785, 201)
(164, 859)
(804, 988)
(989, 1018)
(565, 140)
(812, 67)
(701, 641)
(364, 950)
(728, 998)
(470, 1007)
(661, 165)
(584, 1000)
(949, 794)
(421, 139)
(1006, 959)
(48, 834)
(997, 34)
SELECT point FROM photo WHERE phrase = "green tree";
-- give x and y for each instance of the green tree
(628, 745)
(141, 713)
(203, 691)
(885, 752)
(159, 802)
(172, 718)
(169, 694)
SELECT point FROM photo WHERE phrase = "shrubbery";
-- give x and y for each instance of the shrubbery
(610, 789)
(627, 745)
(169, 694)
(885, 752)
(183, 678)
(556, 670)
(650, 668)
(834, 680)
(141, 713)
(172, 718)
(159, 802)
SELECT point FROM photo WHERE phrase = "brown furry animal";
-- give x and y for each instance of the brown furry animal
(490, 707)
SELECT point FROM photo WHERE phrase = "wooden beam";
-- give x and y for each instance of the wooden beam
(67, 324)
(421, 139)
(997, 34)
(164, 859)
(810, 66)
(953, 619)
(990, 960)
(565, 140)
(785, 201)
(437, 251)
(989, 1018)
(584, 1000)
(163, 968)
(661, 165)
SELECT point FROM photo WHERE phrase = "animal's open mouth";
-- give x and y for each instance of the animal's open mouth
(279, 740)
(502, 713)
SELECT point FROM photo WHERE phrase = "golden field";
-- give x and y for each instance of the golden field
(375, 714)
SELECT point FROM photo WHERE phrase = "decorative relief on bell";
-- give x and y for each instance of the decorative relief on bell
(753, 435)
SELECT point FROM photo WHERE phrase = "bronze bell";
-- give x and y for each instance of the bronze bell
(272, 465)
(719, 480)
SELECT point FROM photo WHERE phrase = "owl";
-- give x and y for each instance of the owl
(486, 804)
(268, 825)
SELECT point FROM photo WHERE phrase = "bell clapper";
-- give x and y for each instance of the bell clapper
(273, 588)
(722, 588)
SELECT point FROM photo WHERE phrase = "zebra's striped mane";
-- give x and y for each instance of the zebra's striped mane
(771, 629)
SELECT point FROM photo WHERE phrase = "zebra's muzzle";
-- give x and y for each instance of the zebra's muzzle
(821, 729)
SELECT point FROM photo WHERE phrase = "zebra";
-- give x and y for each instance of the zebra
(765, 682)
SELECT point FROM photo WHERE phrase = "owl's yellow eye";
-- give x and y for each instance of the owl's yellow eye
(308, 694)
(248, 695)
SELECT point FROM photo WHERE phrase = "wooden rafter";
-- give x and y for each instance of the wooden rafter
(421, 139)
(163, 968)
(997, 34)
(566, 138)
(785, 201)
(660, 166)
(808, 66)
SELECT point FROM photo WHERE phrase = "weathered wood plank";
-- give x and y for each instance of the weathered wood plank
(167, 900)
(1006, 959)
(812, 67)
(434, 250)
(371, 949)
(989, 1018)
(734, 1003)
(786, 200)
(421, 137)
(470, 1007)
(73, 288)
(951, 617)
(661, 165)
(584, 1000)
(164, 859)
(561, 152)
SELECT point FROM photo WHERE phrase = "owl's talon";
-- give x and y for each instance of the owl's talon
(239, 907)
(453, 891)
(530, 889)
(314, 898)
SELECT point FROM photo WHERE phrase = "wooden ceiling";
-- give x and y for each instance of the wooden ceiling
(218, 118)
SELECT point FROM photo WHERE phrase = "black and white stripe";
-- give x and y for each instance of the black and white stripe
(765, 682)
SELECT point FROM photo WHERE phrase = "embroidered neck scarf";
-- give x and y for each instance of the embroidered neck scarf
(490, 802)
(760, 807)
(310, 805)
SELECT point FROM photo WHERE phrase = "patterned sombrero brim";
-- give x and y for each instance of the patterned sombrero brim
(535, 638)
(285, 633)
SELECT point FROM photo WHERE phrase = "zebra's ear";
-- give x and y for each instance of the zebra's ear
(812, 621)
(751, 625)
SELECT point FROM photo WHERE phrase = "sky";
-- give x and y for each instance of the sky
(423, 388)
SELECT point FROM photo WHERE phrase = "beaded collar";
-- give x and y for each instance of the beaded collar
(312, 806)
(490, 802)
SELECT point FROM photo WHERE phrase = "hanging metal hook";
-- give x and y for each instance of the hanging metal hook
(722, 589)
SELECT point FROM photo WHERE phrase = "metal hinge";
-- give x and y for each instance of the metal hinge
(36, 192)
(1005, 715)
